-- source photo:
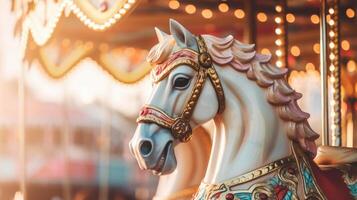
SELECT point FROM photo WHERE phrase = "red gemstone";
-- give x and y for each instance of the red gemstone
(263, 196)
(229, 196)
(280, 191)
(104, 6)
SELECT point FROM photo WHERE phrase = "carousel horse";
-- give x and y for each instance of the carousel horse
(184, 181)
(262, 144)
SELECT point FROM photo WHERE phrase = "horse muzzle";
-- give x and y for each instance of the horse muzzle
(152, 146)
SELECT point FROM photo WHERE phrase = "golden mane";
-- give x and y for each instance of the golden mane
(243, 58)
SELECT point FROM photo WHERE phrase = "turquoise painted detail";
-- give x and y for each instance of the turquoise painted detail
(288, 195)
(353, 189)
(243, 196)
(274, 181)
(308, 179)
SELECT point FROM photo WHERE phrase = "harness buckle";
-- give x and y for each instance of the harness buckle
(181, 129)
(205, 60)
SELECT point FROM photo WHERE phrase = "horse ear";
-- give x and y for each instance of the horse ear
(160, 34)
(183, 37)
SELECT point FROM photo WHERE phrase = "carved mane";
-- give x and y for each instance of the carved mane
(242, 57)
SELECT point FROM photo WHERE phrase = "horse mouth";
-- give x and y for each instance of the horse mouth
(157, 170)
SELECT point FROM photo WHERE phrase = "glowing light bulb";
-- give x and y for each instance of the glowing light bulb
(207, 13)
(262, 17)
(223, 7)
(190, 9)
(239, 13)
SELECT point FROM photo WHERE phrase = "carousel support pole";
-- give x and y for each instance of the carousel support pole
(250, 32)
(323, 73)
(285, 33)
(66, 145)
(105, 138)
(21, 131)
(335, 79)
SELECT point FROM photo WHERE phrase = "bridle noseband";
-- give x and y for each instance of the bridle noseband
(201, 62)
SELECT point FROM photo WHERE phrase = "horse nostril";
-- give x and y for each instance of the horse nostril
(145, 148)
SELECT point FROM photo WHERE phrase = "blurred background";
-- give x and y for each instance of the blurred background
(73, 77)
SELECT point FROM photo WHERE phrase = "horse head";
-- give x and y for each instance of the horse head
(190, 79)
(181, 87)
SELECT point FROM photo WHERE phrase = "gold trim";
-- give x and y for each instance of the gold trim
(166, 123)
(172, 66)
(125, 77)
(207, 62)
(186, 193)
(254, 174)
(58, 71)
(226, 187)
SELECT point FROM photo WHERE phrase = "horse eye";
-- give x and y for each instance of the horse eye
(181, 83)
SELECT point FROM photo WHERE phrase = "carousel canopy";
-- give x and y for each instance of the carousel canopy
(117, 33)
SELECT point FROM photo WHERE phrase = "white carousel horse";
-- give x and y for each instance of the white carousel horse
(262, 144)
(184, 181)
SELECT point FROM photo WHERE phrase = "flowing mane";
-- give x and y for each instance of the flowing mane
(243, 58)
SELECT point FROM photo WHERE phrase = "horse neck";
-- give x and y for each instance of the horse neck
(249, 133)
(192, 159)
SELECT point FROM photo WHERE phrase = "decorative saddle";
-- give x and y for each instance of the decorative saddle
(331, 176)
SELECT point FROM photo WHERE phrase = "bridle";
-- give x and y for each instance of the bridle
(202, 63)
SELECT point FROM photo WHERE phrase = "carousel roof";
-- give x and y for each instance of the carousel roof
(117, 33)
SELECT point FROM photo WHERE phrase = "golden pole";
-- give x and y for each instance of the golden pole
(21, 131)
(105, 138)
(66, 145)
(323, 73)
(335, 73)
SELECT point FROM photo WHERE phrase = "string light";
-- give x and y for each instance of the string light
(41, 34)
(295, 51)
(223, 7)
(262, 17)
(290, 18)
(316, 48)
(331, 11)
(207, 13)
(265, 51)
(345, 45)
(351, 66)
(190, 9)
(239, 13)
(278, 20)
(310, 67)
(331, 34)
(331, 22)
(174, 4)
(350, 13)
(315, 19)
(281, 43)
